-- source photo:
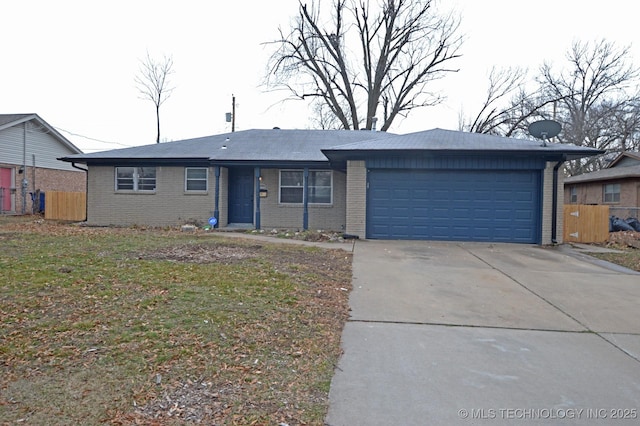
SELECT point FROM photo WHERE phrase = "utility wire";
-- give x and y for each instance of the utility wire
(92, 139)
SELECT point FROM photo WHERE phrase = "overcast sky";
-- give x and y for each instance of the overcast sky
(73, 62)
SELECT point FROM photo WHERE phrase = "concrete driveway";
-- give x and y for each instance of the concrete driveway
(471, 333)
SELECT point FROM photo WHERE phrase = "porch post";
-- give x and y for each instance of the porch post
(257, 195)
(305, 199)
(216, 211)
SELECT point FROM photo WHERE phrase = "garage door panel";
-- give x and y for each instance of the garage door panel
(453, 205)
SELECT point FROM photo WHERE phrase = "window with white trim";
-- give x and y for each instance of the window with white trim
(135, 178)
(196, 179)
(320, 187)
(611, 193)
(573, 195)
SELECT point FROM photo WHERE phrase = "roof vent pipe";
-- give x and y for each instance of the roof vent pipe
(374, 120)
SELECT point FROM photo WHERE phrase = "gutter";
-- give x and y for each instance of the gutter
(554, 202)
(73, 164)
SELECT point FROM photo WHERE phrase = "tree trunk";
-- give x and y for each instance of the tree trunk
(158, 123)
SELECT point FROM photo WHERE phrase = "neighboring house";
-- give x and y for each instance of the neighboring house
(437, 184)
(617, 185)
(29, 148)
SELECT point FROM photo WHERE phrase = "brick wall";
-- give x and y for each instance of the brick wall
(325, 217)
(356, 209)
(169, 205)
(593, 193)
(45, 180)
(547, 205)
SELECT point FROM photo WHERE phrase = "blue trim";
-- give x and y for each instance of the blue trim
(305, 199)
(458, 162)
(256, 185)
(216, 211)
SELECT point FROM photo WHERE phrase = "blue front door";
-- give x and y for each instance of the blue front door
(241, 195)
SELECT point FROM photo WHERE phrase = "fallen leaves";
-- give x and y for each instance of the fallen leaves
(238, 333)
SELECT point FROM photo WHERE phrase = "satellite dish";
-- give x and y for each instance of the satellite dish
(544, 129)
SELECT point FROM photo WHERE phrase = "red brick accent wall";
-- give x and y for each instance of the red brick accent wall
(46, 180)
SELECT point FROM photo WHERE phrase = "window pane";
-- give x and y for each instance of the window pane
(320, 187)
(196, 185)
(290, 178)
(612, 193)
(124, 178)
(125, 184)
(146, 185)
(320, 195)
(146, 178)
(196, 173)
(196, 179)
(147, 172)
(319, 178)
(291, 195)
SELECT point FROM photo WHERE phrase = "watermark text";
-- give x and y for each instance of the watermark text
(548, 413)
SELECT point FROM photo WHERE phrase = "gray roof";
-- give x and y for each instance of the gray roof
(450, 140)
(275, 145)
(606, 174)
(625, 157)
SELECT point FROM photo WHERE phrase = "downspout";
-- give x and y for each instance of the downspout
(25, 183)
(305, 199)
(216, 208)
(86, 189)
(554, 201)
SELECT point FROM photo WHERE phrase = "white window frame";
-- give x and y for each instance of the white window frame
(136, 178)
(301, 186)
(187, 179)
(611, 191)
(573, 194)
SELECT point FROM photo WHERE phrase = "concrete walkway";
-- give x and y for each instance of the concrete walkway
(470, 333)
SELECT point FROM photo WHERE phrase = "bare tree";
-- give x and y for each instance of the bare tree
(494, 117)
(153, 84)
(365, 56)
(597, 100)
(323, 117)
(509, 105)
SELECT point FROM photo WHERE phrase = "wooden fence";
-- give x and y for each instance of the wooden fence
(585, 224)
(65, 205)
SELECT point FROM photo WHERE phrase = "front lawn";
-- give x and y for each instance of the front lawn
(154, 327)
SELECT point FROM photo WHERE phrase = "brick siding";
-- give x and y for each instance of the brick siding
(356, 198)
(45, 180)
(547, 205)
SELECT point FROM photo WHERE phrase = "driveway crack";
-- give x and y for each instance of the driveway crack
(587, 328)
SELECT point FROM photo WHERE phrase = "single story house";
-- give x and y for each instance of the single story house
(617, 185)
(437, 184)
(29, 152)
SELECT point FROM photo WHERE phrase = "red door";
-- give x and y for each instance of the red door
(5, 189)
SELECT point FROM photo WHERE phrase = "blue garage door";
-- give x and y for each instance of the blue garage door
(460, 205)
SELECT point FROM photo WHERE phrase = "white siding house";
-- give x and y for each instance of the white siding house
(29, 152)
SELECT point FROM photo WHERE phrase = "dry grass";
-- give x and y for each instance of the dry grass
(628, 243)
(130, 326)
